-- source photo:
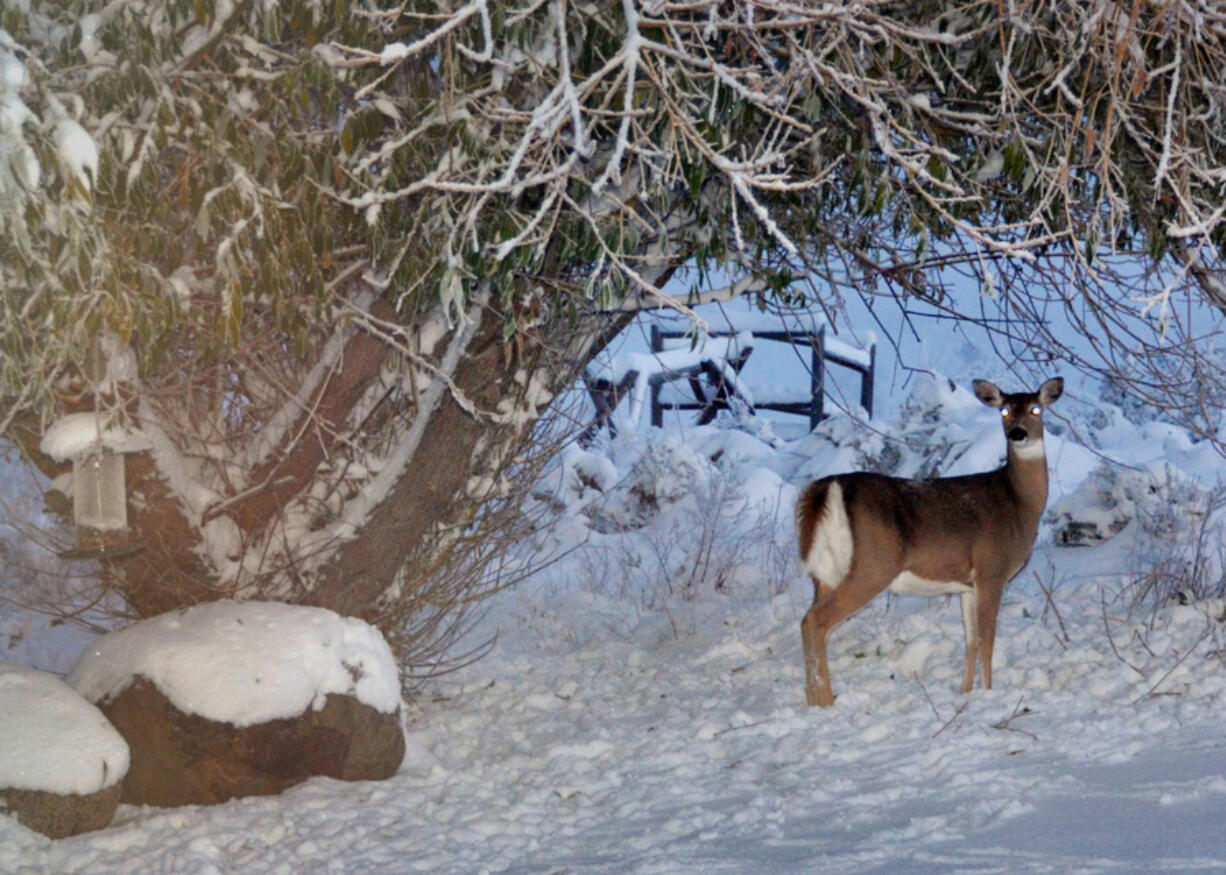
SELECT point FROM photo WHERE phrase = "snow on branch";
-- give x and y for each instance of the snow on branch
(398, 459)
(753, 109)
(395, 52)
(628, 123)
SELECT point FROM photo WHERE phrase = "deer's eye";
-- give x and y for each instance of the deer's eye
(1037, 410)
(1004, 411)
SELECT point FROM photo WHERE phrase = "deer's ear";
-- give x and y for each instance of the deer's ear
(988, 393)
(1051, 390)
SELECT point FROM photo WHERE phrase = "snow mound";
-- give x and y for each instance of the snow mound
(245, 662)
(51, 739)
(1165, 501)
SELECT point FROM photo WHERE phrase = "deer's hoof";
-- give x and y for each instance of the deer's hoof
(819, 698)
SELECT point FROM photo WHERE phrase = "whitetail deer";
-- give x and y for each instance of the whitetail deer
(863, 533)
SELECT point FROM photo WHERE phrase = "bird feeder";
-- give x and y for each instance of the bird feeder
(99, 494)
(99, 504)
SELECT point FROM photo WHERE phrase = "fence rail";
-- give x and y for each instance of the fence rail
(722, 391)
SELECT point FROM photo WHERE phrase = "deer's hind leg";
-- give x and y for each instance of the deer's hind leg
(813, 633)
(831, 606)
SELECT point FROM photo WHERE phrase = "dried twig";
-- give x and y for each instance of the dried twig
(950, 722)
(722, 732)
(1110, 638)
(1052, 603)
(1191, 649)
(1007, 723)
(931, 704)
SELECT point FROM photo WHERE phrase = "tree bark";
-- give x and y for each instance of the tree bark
(432, 496)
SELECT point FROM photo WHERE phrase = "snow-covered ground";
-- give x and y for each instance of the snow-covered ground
(596, 739)
(643, 710)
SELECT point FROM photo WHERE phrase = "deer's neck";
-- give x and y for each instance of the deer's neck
(1027, 473)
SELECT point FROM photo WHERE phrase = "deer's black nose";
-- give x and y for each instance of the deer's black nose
(1018, 434)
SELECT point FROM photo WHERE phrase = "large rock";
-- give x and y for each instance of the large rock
(58, 815)
(235, 699)
(183, 759)
(61, 763)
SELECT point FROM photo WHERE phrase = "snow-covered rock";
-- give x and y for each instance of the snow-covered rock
(61, 762)
(235, 699)
(1166, 503)
(245, 662)
(181, 759)
(53, 739)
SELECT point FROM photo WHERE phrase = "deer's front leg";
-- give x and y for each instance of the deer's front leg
(987, 606)
(969, 607)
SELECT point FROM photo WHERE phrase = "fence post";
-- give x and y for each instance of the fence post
(817, 377)
(657, 345)
(866, 383)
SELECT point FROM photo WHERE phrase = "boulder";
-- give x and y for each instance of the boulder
(57, 815)
(61, 762)
(185, 759)
(231, 699)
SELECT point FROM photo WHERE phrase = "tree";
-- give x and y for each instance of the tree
(335, 262)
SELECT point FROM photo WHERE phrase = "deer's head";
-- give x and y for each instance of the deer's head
(1021, 413)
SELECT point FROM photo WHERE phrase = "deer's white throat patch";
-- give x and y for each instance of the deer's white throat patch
(1028, 450)
(830, 554)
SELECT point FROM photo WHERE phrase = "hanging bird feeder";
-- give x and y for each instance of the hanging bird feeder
(99, 493)
(99, 504)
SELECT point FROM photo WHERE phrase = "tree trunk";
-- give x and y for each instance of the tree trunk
(436, 496)
(442, 491)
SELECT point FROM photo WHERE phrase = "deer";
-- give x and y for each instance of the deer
(863, 533)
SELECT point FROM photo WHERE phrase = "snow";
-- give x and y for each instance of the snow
(78, 433)
(12, 73)
(738, 320)
(77, 151)
(393, 52)
(22, 162)
(245, 662)
(678, 358)
(52, 739)
(638, 752)
(642, 709)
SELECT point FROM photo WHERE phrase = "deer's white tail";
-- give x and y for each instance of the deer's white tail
(826, 543)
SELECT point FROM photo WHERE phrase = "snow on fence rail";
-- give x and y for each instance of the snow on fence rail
(718, 358)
